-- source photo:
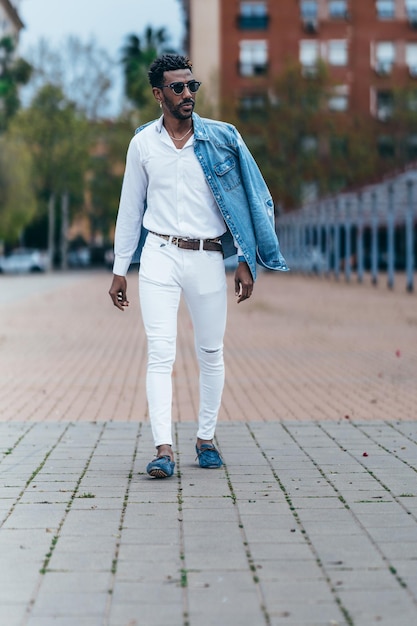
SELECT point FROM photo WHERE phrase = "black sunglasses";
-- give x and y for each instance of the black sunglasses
(178, 87)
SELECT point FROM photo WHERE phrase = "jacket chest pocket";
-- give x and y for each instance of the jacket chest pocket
(227, 173)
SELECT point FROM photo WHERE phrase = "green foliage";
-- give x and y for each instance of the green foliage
(14, 72)
(297, 141)
(58, 138)
(397, 138)
(17, 197)
(138, 53)
(105, 174)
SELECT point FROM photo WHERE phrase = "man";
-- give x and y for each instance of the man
(191, 194)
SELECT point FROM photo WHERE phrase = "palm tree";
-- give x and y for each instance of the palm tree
(137, 54)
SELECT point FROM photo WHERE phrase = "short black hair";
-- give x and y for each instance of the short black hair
(167, 63)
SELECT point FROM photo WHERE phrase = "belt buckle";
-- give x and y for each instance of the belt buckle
(179, 240)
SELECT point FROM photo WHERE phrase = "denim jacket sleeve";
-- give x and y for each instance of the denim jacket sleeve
(240, 192)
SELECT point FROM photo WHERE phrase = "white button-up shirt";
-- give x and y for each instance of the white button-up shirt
(171, 181)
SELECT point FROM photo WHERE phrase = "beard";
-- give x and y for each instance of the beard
(177, 112)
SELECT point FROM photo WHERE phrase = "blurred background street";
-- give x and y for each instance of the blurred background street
(301, 349)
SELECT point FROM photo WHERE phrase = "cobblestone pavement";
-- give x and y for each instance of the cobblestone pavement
(313, 519)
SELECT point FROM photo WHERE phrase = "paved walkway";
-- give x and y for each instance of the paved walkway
(313, 520)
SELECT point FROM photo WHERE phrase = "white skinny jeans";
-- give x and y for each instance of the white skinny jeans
(166, 272)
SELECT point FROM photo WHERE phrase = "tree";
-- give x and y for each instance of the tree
(299, 144)
(137, 54)
(397, 136)
(105, 174)
(81, 70)
(14, 72)
(58, 138)
(17, 195)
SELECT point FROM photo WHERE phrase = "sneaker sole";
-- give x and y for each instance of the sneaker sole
(211, 466)
(158, 473)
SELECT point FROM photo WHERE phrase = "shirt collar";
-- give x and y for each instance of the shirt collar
(199, 130)
(158, 125)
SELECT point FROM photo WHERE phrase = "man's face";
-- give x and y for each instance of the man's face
(179, 106)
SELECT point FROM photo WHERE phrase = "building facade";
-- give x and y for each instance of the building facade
(239, 47)
(10, 22)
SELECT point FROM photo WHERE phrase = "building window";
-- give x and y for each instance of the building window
(309, 144)
(337, 52)
(411, 100)
(308, 9)
(253, 16)
(384, 105)
(385, 9)
(339, 100)
(384, 57)
(253, 101)
(411, 58)
(309, 191)
(338, 9)
(253, 58)
(309, 12)
(411, 8)
(386, 147)
(338, 146)
(5, 26)
(309, 57)
(252, 105)
(411, 147)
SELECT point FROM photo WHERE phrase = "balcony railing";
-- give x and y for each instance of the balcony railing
(254, 22)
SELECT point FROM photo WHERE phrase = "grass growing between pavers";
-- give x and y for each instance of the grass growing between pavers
(377, 499)
(392, 453)
(55, 539)
(229, 511)
(35, 471)
(122, 517)
(12, 448)
(183, 570)
(249, 557)
(343, 609)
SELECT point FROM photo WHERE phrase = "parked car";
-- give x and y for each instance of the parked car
(23, 260)
(80, 257)
(109, 258)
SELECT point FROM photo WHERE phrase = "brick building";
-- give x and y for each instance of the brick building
(238, 47)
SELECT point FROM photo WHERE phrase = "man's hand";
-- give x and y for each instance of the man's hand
(243, 282)
(117, 292)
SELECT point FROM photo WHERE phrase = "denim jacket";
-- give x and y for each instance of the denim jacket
(240, 193)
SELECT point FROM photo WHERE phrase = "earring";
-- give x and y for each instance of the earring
(160, 104)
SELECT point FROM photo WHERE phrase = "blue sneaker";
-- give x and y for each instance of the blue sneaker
(161, 467)
(208, 457)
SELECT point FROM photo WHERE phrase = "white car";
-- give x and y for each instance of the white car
(24, 260)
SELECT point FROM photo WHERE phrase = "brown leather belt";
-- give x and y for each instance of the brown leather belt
(212, 245)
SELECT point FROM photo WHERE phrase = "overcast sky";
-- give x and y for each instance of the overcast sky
(108, 21)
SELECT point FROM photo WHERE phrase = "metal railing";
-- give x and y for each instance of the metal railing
(373, 229)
